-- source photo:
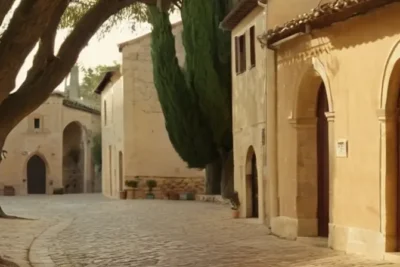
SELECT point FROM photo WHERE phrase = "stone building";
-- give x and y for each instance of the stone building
(135, 142)
(332, 134)
(51, 147)
(247, 21)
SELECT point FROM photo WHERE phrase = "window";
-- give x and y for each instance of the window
(105, 112)
(36, 123)
(240, 54)
(252, 47)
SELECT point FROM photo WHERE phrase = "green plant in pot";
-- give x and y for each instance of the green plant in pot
(130, 191)
(151, 184)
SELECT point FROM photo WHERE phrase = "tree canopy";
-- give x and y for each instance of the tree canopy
(92, 78)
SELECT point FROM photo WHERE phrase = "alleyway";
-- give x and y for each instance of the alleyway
(89, 230)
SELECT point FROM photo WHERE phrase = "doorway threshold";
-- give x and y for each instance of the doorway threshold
(393, 257)
(321, 242)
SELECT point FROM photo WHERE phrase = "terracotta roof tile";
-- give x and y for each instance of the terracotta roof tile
(322, 16)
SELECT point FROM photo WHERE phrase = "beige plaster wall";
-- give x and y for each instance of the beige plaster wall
(24, 142)
(249, 114)
(113, 136)
(351, 58)
(148, 151)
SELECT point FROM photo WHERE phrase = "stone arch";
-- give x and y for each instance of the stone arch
(388, 115)
(75, 153)
(37, 172)
(252, 185)
(311, 111)
(388, 92)
(309, 81)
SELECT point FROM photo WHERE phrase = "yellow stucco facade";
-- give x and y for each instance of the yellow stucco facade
(330, 101)
(135, 141)
(51, 149)
(249, 117)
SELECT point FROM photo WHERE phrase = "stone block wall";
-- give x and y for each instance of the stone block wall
(169, 184)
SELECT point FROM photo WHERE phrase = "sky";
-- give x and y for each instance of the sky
(100, 51)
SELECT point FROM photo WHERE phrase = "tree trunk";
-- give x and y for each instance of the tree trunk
(227, 188)
(213, 177)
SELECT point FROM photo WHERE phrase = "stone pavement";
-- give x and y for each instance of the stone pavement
(89, 230)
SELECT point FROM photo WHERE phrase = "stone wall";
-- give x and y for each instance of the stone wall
(169, 184)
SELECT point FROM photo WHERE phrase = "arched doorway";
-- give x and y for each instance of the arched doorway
(251, 184)
(73, 158)
(312, 155)
(390, 127)
(322, 163)
(36, 175)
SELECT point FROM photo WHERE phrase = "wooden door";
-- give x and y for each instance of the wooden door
(398, 178)
(254, 187)
(323, 163)
(36, 173)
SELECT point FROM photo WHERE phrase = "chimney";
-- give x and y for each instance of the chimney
(73, 86)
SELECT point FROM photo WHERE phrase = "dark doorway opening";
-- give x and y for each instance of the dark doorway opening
(36, 173)
(254, 187)
(323, 163)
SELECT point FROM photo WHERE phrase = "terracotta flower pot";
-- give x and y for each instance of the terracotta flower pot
(122, 194)
(130, 194)
(235, 214)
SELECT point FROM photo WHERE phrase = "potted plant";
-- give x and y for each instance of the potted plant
(130, 192)
(235, 205)
(151, 184)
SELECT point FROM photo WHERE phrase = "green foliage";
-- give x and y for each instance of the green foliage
(133, 14)
(196, 101)
(151, 184)
(131, 183)
(96, 150)
(188, 129)
(208, 61)
(92, 78)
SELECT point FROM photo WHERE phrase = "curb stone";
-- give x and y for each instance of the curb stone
(39, 252)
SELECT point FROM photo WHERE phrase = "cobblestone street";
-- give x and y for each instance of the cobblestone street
(89, 230)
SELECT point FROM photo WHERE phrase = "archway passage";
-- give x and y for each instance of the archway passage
(36, 174)
(322, 162)
(251, 184)
(73, 158)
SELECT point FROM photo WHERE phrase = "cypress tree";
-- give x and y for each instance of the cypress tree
(196, 101)
(188, 130)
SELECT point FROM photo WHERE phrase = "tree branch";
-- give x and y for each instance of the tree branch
(38, 87)
(46, 45)
(26, 26)
(5, 6)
